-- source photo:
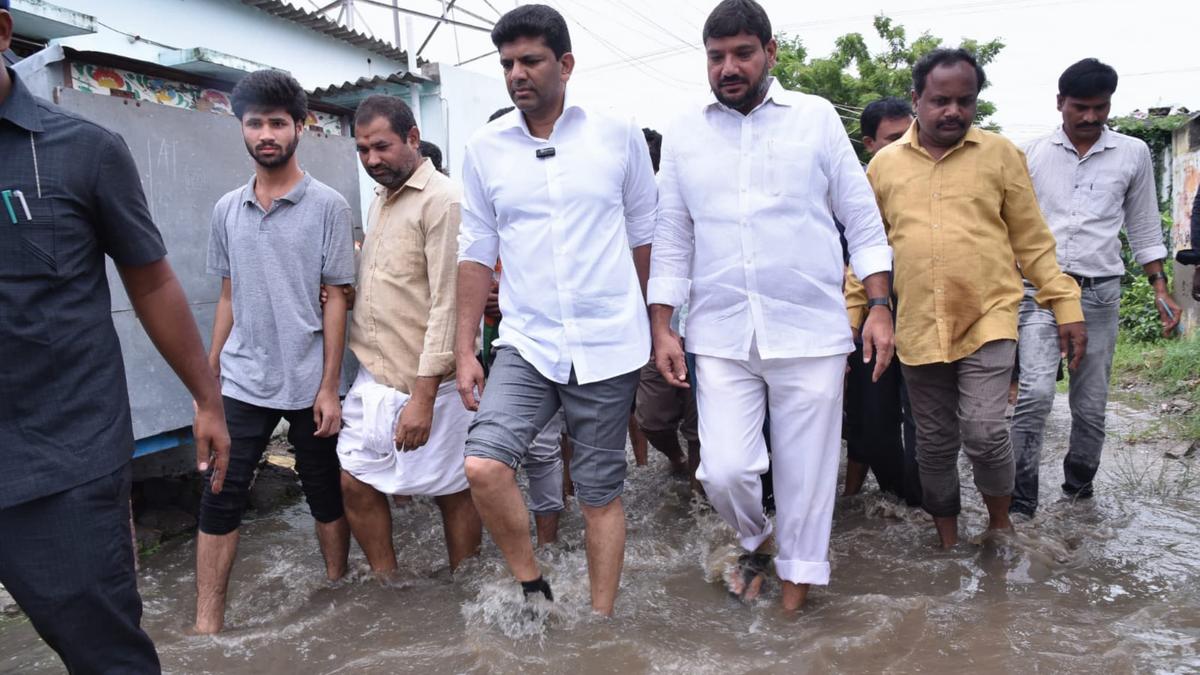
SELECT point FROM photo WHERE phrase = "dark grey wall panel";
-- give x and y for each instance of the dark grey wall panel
(187, 160)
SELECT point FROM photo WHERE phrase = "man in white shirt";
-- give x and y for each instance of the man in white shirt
(749, 187)
(561, 194)
(1091, 183)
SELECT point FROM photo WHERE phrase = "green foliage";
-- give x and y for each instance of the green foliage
(1169, 368)
(1155, 131)
(851, 76)
(1139, 321)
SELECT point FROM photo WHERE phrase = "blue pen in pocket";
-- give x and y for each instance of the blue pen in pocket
(12, 215)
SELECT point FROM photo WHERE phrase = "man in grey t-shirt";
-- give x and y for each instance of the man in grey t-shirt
(274, 242)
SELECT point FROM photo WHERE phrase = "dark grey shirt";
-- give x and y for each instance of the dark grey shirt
(276, 260)
(64, 409)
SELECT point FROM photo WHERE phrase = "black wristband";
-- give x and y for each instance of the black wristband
(1153, 278)
(875, 302)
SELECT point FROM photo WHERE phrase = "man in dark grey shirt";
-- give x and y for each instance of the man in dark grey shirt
(69, 196)
(274, 243)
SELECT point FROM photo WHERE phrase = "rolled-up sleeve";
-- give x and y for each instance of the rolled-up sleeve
(1143, 223)
(854, 202)
(671, 255)
(437, 353)
(478, 240)
(640, 194)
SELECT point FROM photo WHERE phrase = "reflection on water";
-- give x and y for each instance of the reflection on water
(1109, 584)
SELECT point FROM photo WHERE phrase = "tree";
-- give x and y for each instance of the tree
(851, 77)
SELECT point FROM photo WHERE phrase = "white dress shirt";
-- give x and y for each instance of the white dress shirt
(1087, 200)
(563, 227)
(746, 228)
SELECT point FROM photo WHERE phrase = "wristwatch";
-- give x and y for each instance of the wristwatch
(875, 302)
(1153, 278)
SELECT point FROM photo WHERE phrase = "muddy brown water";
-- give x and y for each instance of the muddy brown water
(1106, 585)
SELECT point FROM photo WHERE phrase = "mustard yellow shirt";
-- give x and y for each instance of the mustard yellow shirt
(404, 315)
(960, 226)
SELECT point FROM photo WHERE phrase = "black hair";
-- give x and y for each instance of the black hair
(433, 152)
(1088, 78)
(734, 17)
(501, 113)
(270, 90)
(887, 108)
(534, 21)
(946, 57)
(392, 108)
(3, 4)
(654, 142)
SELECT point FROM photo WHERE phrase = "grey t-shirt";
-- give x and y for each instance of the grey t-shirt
(277, 260)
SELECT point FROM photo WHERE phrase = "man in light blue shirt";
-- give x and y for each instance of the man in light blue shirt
(1091, 183)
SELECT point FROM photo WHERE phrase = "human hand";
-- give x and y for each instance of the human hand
(878, 340)
(327, 413)
(414, 424)
(491, 310)
(669, 358)
(347, 290)
(1072, 340)
(1168, 312)
(469, 380)
(211, 437)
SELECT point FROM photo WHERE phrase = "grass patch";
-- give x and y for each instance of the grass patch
(1171, 368)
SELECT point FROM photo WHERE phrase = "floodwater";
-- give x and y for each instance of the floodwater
(1107, 585)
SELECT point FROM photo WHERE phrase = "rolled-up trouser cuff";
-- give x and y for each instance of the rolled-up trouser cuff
(597, 473)
(476, 447)
(995, 481)
(753, 541)
(803, 571)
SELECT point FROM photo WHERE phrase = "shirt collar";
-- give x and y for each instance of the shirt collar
(417, 181)
(1107, 140)
(912, 137)
(21, 107)
(293, 196)
(516, 118)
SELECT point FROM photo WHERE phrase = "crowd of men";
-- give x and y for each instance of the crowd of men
(761, 239)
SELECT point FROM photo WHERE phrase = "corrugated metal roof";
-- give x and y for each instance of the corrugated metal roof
(350, 94)
(323, 24)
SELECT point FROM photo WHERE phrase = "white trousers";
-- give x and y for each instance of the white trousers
(804, 397)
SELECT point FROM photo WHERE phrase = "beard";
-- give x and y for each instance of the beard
(753, 92)
(283, 157)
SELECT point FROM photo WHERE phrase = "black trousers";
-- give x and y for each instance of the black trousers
(879, 428)
(67, 560)
(250, 428)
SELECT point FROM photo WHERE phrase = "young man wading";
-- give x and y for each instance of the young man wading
(274, 242)
(561, 193)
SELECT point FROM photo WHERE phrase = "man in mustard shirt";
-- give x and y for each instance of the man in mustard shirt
(959, 209)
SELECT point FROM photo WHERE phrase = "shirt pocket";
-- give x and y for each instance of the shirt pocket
(789, 170)
(1105, 196)
(31, 240)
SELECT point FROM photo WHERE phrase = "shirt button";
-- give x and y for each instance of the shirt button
(939, 290)
(937, 195)
(936, 226)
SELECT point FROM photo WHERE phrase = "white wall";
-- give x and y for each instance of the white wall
(228, 26)
(467, 99)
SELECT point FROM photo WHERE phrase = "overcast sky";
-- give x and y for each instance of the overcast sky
(644, 58)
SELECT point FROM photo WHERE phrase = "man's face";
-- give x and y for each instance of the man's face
(271, 136)
(946, 109)
(738, 68)
(535, 79)
(890, 130)
(389, 158)
(1084, 118)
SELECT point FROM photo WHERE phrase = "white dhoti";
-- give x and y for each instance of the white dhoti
(804, 397)
(367, 450)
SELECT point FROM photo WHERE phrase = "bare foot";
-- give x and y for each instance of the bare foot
(856, 475)
(746, 579)
(793, 596)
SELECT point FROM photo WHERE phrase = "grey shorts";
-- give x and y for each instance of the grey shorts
(518, 402)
